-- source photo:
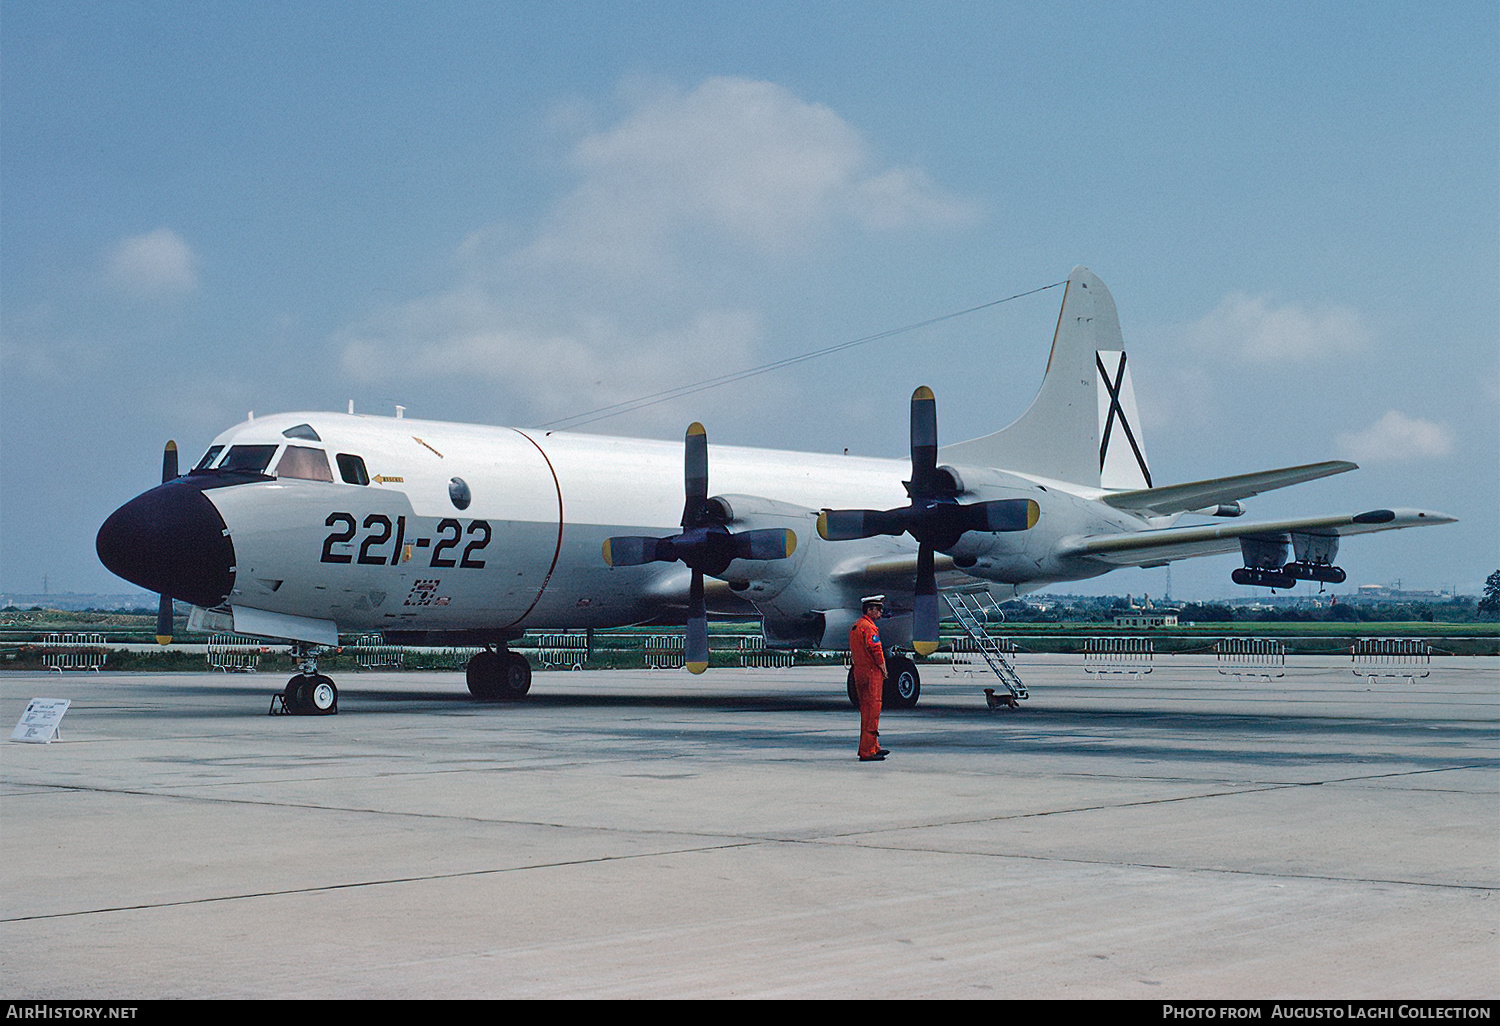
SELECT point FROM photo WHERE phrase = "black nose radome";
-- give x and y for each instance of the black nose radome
(170, 540)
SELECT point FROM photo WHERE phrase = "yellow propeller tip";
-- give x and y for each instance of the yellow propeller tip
(696, 667)
(823, 525)
(164, 640)
(922, 393)
(605, 550)
(696, 429)
(925, 648)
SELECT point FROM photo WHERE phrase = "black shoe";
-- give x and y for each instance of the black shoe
(883, 752)
(872, 758)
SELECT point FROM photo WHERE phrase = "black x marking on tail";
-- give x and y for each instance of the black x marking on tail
(1109, 420)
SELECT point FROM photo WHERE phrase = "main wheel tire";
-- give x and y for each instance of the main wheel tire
(903, 684)
(483, 674)
(853, 691)
(515, 678)
(495, 676)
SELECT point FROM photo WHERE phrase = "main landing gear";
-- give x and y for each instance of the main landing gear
(498, 674)
(309, 693)
(903, 684)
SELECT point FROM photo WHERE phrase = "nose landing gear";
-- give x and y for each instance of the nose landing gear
(309, 693)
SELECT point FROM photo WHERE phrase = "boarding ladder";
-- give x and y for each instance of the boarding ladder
(970, 610)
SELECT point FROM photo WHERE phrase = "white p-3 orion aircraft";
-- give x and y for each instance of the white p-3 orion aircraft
(298, 526)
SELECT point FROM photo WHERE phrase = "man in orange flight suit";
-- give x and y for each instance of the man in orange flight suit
(869, 677)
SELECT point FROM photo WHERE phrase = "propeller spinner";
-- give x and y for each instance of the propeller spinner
(935, 517)
(705, 545)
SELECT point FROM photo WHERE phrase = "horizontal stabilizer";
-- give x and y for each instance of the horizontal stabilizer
(1200, 494)
(1142, 548)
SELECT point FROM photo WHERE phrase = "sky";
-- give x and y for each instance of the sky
(514, 213)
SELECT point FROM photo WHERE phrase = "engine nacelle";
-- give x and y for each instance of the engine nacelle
(756, 579)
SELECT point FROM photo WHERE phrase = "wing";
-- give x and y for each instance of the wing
(1201, 494)
(1154, 547)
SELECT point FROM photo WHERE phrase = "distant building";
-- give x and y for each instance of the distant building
(1395, 593)
(1146, 619)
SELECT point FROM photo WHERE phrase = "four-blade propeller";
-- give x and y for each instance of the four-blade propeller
(934, 517)
(164, 606)
(705, 544)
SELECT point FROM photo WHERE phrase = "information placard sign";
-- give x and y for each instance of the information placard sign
(40, 721)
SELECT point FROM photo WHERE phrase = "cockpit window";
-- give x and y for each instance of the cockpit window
(302, 462)
(209, 457)
(254, 458)
(303, 431)
(352, 469)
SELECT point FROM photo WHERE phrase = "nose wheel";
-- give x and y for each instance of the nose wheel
(309, 693)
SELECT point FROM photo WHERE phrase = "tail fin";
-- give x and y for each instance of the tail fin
(1082, 427)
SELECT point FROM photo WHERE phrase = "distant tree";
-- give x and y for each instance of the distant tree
(1489, 605)
(1209, 613)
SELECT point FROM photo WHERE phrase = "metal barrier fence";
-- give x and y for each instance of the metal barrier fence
(1251, 657)
(1397, 658)
(370, 652)
(567, 650)
(753, 653)
(965, 654)
(231, 653)
(665, 651)
(1118, 655)
(73, 652)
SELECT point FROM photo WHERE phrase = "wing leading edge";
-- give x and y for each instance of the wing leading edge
(1144, 548)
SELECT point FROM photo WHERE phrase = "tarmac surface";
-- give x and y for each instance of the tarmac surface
(651, 834)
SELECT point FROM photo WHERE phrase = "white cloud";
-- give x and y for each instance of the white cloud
(1252, 330)
(1396, 438)
(157, 264)
(619, 291)
(737, 160)
(471, 334)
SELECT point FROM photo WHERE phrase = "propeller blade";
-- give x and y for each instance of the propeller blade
(695, 476)
(999, 515)
(164, 621)
(164, 605)
(169, 463)
(848, 524)
(924, 621)
(770, 543)
(634, 551)
(695, 651)
(923, 442)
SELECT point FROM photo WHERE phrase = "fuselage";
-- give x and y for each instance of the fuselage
(378, 523)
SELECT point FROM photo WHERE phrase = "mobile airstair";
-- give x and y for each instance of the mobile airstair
(972, 610)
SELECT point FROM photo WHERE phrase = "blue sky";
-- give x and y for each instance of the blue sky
(509, 213)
